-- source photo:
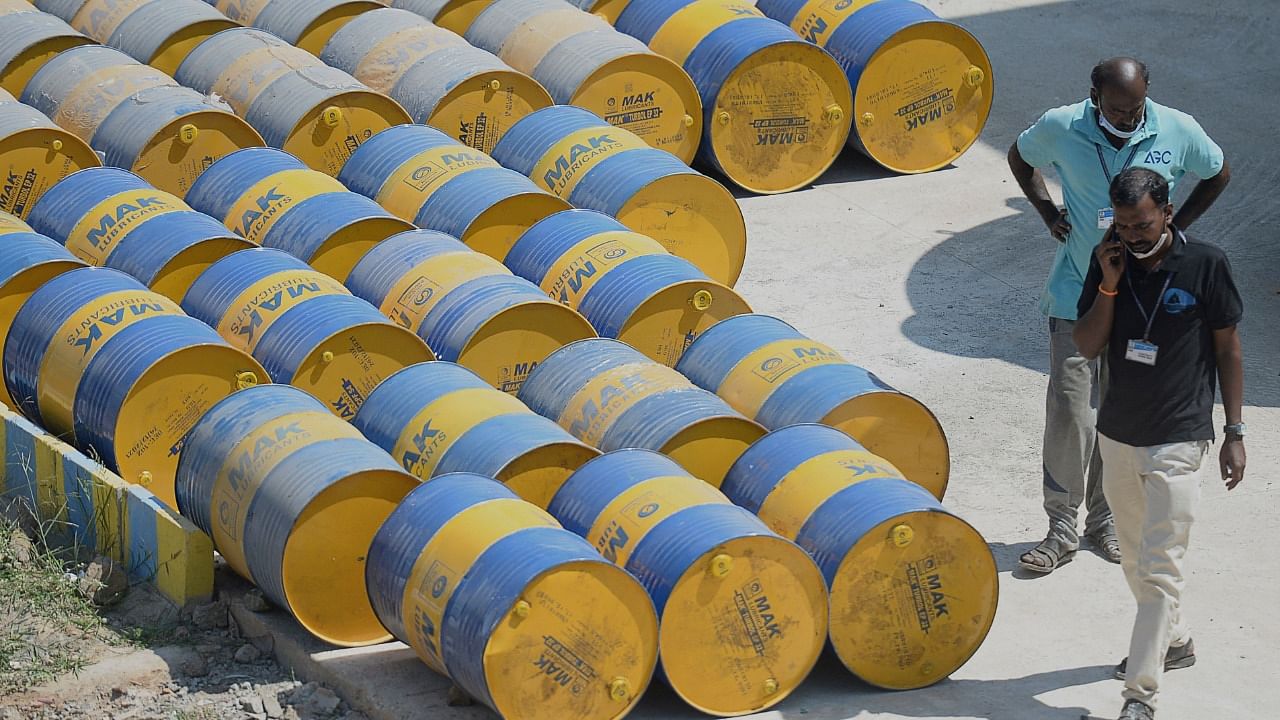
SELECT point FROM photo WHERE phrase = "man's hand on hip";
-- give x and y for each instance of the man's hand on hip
(1059, 226)
(1231, 461)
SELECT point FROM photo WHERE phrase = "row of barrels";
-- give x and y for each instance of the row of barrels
(919, 96)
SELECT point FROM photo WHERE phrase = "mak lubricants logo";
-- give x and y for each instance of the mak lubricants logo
(113, 223)
(568, 163)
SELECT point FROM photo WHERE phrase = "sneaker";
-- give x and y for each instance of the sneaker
(1182, 656)
(1135, 710)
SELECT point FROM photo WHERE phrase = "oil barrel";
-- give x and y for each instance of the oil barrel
(583, 61)
(12, 224)
(426, 177)
(742, 612)
(307, 24)
(34, 154)
(159, 33)
(625, 284)
(608, 10)
(440, 79)
(453, 15)
(581, 158)
(110, 217)
(29, 40)
(139, 118)
(14, 7)
(292, 497)
(772, 373)
(913, 587)
(29, 260)
(438, 417)
(521, 614)
(608, 395)
(96, 357)
(922, 86)
(317, 113)
(304, 327)
(273, 199)
(467, 306)
(775, 108)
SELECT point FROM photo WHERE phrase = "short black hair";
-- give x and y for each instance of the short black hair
(1135, 183)
(1109, 72)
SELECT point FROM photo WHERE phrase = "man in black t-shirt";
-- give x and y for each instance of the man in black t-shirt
(1164, 308)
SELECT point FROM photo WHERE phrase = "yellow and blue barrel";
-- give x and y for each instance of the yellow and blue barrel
(425, 177)
(34, 154)
(304, 327)
(138, 117)
(625, 284)
(608, 395)
(440, 79)
(95, 356)
(312, 111)
(157, 32)
(31, 39)
(742, 612)
(437, 418)
(29, 260)
(521, 614)
(466, 306)
(583, 61)
(453, 15)
(292, 497)
(13, 224)
(922, 86)
(13, 7)
(307, 24)
(776, 109)
(913, 587)
(576, 155)
(772, 373)
(273, 199)
(110, 217)
(608, 10)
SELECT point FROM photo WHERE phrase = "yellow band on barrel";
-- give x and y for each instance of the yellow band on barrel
(248, 75)
(384, 64)
(262, 205)
(417, 178)
(98, 93)
(242, 11)
(529, 42)
(79, 339)
(99, 18)
(630, 516)
(255, 310)
(818, 19)
(437, 426)
(422, 288)
(597, 405)
(98, 232)
(750, 383)
(682, 32)
(448, 556)
(568, 161)
(581, 266)
(795, 498)
(11, 224)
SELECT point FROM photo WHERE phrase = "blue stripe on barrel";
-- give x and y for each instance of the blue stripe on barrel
(655, 420)
(537, 250)
(643, 19)
(304, 228)
(551, 385)
(371, 165)
(65, 204)
(773, 456)
(386, 263)
(218, 188)
(25, 250)
(614, 299)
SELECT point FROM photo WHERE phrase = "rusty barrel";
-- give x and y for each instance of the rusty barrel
(465, 305)
(96, 357)
(608, 395)
(31, 39)
(583, 61)
(34, 154)
(159, 33)
(110, 217)
(625, 284)
(138, 117)
(312, 111)
(304, 327)
(292, 497)
(437, 418)
(742, 612)
(427, 178)
(307, 24)
(776, 109)
(922, 86)
(772, 373)
(521, 614)
(28, 261)
(440, 79)
(273, 199)
(572, 153)
(913, 587)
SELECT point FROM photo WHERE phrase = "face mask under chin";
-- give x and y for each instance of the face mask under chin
(1122, 134)
(1164, 238)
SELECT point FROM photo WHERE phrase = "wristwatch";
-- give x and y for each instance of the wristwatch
(1237, 429)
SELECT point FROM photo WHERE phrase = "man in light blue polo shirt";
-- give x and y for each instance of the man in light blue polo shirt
(1088, 144)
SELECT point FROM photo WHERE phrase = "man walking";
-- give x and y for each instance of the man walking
(1164, 309)
(1088, 144)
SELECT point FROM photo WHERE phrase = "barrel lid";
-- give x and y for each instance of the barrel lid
(650, 96)
(664, 323)
(42, 156)
(173, 158)
(346, 366)
(514, 340)
(495, 230)
(486, 104)
(709, 447)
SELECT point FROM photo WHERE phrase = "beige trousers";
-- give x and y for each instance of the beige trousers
(1153, 493)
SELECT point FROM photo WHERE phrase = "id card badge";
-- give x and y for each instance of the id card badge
(1105, 217)
(1142, 351)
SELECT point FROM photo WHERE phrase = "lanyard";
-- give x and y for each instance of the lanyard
(1151, 317)
(1103, 161)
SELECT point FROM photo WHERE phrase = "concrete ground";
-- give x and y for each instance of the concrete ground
(932, 281)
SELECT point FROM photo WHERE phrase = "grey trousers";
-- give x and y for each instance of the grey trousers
(1072, 464)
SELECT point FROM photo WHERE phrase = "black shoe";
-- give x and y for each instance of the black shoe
(1135, 710)
(1183, 656)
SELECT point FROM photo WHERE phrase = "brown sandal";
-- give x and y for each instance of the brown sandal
(1107, 545)
(1046, 557)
